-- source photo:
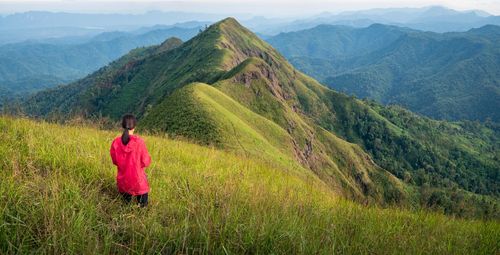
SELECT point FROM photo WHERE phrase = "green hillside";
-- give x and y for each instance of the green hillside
(222, 121)
(453, 76)
(31, 66)
(62, 100)
(229, 89)
(203, 200)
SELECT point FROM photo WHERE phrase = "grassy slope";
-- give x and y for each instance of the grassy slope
(202, 201)
(207, 112)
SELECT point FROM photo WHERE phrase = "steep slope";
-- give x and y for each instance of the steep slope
(214, 117)
(447, 76)
(246, 97)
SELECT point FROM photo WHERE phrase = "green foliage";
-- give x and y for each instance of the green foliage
(450, 157)
(202, 200)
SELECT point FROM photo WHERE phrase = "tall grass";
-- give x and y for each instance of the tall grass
(58, 196)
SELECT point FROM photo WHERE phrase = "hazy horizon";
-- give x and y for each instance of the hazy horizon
(276, 8)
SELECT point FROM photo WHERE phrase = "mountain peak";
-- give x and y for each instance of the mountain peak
(233, 43)
(226, 25)
(169, 44)
(231, 28)
(229, 21)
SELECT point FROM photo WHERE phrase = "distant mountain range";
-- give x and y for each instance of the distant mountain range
(47, 26)
(433, 18)
(30, 66)
(39, 25)
(443, 75)
(227, 88)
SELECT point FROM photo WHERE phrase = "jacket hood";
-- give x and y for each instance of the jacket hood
(131, 145)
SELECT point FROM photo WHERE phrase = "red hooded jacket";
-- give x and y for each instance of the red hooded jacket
(131, 159)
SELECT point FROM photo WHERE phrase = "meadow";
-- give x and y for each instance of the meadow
(58, 196)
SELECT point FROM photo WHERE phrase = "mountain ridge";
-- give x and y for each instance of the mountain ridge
(222, 87)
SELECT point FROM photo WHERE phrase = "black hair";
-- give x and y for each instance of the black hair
(128, 123)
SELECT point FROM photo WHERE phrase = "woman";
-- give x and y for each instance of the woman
(130, 155)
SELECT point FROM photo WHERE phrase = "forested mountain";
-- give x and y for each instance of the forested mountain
(446, 76)
(227, 88)
(28, 67)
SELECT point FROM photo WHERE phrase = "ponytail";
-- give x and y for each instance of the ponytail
(128, 123)
(125, 137)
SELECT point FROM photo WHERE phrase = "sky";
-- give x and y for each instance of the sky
(270, 8)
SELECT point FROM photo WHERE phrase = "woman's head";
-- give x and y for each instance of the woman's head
(128, 123)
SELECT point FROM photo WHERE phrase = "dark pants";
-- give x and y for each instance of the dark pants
(142, 200)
